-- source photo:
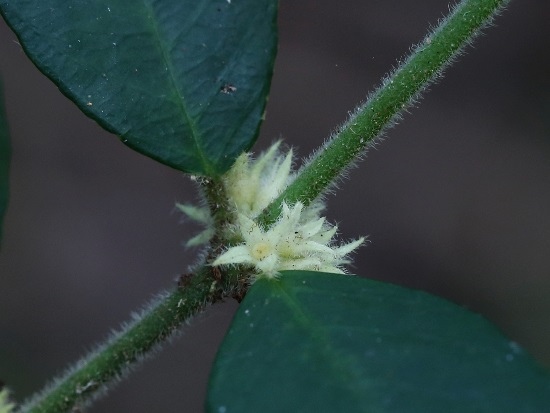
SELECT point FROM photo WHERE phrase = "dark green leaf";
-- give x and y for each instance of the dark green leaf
(182, 81)
(5, 152)
(314, 342)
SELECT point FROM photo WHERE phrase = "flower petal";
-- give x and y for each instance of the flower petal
(311, 263)
(235, 255)
(311, 228)
(268, 265)
(201, 238)
(198, 214)
(325, 235)
(349, 247)
(331, 269)
(264, 159)
(306, 247)
(250, 230)
(282, 172)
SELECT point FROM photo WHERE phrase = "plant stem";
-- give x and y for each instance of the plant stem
(91, 376)
(400, 90)
(214, 192)
(232, 282)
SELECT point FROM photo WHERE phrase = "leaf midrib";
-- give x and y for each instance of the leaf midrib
(325, 346)
(195, 134)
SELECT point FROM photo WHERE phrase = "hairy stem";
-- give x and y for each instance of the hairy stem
(398, 91)
(214, 192)
(233, 282)
(91, 376)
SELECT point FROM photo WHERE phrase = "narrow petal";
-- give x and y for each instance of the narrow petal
(349, 247)
(287, 223)
(313, 211)
(235, 255)
(307, 247)
(309, 263)
(280, 178)
(325, 236)
(312, 228)
(201, 238)
(250, 230)
(197, 214)
(268, 265)
(264, 159)
(331, 269)
(290, 216)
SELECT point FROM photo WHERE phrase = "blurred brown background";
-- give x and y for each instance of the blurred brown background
(456, 201)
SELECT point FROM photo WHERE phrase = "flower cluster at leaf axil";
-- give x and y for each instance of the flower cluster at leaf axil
(299, 240)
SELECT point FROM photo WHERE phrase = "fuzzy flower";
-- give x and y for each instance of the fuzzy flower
(290, 244)
(5, 405)
(252, 185)
(300, 239)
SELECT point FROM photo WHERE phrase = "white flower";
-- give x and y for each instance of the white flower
(5, 405)
(290, 244)
(251, 185)
(299, 240)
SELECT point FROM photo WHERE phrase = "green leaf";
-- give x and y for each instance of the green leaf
(5, 153)
(313, 342)
(181, 81)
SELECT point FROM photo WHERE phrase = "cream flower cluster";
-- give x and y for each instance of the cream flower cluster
(290, 244)
(300, 239)
(251, 185)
